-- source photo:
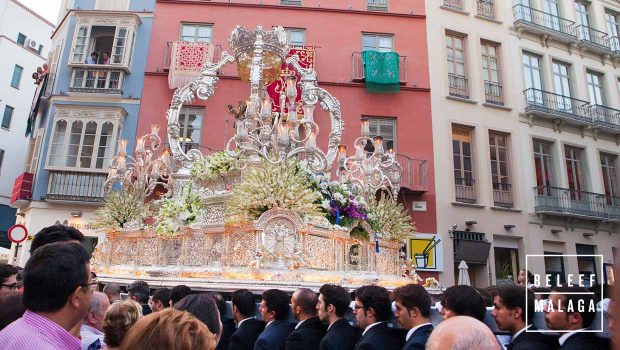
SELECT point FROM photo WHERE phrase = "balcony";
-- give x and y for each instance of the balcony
(76, 186)
(22, 190)
(493, 93)
(614, 45)
(502, 195)
(533, 21)
(377, 5)
(457, 86)
(101, 79)
(359, 71)
(486, 8)
(465, 190)
(415, 173)
(572, 203)
(553, 106)
(455, 4)
(593, 40)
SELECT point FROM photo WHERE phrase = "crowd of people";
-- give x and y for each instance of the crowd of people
(57, 302)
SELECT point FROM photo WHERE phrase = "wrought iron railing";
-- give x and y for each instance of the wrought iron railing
(359, 70)
(558, 105)
(525, 15)
(415, 173)
(493, 93)
(486, 8)
(457, 86)
(564, 201)
(76, 186)
(594, 37)
(606, 116)
(457, 4)
(465, 190)
(614, 44)
(502, 195)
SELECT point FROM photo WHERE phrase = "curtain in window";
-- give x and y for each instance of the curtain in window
(381, 70)
(186, 62)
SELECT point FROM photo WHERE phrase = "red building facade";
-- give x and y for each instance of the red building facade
(338, 33)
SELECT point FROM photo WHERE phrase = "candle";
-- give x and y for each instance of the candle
(165, 156)
(311, 142)
(140, 146)
(242, 131)
(122, 147)
(342, 153)
(308, 113)
(265, 111)
(365, 127)
(378, 144)
(122, 165)
(155, 130)
(283, 135)
(291, 87)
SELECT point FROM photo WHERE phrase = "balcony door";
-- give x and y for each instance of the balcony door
(611, 21)
(561, 80)
(498, 150)
(609, 165)
(575, 172)
(462, 155)
(533, 78)
(523, 10)
(552, 14)
(582, 20)
(544, 167)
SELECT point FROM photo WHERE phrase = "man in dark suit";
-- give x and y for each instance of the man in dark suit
(572, 313)
(509, 314)
(228, 324)
(372, 310)
(309, 331)
(333, 303)
(413, 309)
(248, 327)
(274, 310)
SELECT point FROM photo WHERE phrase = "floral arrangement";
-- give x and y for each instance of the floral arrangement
(389, 218)
(182, 210)
(340, 204)
(212, 166)
(431, 282)
(273, 186)
(119, 209)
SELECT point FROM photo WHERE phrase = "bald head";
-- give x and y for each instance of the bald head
(461, 333)
(303, 304)
(99, 304)
(113, 291)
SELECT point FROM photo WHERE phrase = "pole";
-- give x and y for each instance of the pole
(14, 258)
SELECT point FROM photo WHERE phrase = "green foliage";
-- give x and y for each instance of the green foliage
(210, 167)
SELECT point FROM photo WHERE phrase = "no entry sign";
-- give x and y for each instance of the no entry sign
(18, 233)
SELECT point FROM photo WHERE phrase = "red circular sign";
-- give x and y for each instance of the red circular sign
(18, 233)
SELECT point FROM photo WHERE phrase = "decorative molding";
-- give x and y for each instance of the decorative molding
(90, 112)
(116, 19)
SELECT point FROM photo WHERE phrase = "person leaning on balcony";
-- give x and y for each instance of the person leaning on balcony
(94, 57)
(106, 58)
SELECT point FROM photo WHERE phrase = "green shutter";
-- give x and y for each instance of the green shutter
(6, 119)
(17, 76)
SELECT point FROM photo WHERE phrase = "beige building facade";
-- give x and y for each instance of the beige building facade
(526, 131)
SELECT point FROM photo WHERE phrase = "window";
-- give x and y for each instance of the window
(575, 170)
(21, 39)
(96, 80)
(506, 265)
(544, 167)
(486, 8)
(196, 32)
(609, 164)
(611, 21)
(595, 87)
(586, 264)
(552, 14)
(498, 149)
(120, 42)
(490, 73)
(377, 5)
(190, 120)
(378, 42)
(582, 20)
(384, 127)
(1, 159)
(103, 37)
(532, 75)
(296, 37)
(81, 143)
(554, 266)
(40, 49)
(462, 157)
(457, 77)
(8, 115)
(17, 76)
(561, 81)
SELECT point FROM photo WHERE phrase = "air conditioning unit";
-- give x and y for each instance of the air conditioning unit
(32, 44)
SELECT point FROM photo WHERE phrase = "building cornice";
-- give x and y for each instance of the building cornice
(325, 83)
(29, 10)
(23, 47)
(294, 8)
(101, 13)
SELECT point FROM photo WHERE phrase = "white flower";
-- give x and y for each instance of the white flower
(323, 186)
(185, 215)
(325, 204)
(338, 197)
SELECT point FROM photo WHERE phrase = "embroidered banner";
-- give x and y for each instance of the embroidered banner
(186, 61)
(306, 60)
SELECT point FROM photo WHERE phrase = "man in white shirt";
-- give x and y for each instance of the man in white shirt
(413, 309)
(92, 326)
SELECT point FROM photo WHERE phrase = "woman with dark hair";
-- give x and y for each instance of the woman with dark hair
(462, 301)
(525, 279)
(11, 308)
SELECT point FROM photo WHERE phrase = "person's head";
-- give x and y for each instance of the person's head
(95, 281)
(462, 300)
(220, 303)
(462, 332)
(39, 70)
(106, 55)
(99, 304)
(372, 304)
(333, 302)
(57, 280)
(120, 316)
(413, 305)
(303, 304)
(113, 291)
(55, 233)
(179, 292)
(8, 277)
(204, 308)
(35, 75)
(274, 305)
(525, 277)
(509, 308)
(94, 55)
(563, 313)
(160, 299)
(11, 308)
(169, 329)
(139, 291)
(243, 306)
